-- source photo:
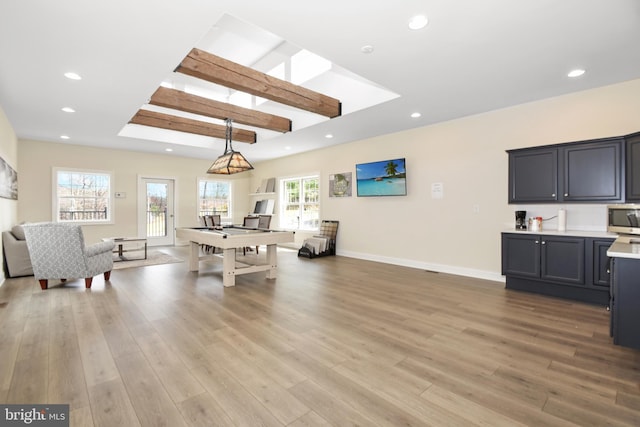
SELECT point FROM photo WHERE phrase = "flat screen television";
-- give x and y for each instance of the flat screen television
(383, 178)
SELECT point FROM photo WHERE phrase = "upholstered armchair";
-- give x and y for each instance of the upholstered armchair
(58, 252)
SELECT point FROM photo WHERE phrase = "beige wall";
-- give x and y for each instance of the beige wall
(9, 152)
(467, 156)
(36, 160)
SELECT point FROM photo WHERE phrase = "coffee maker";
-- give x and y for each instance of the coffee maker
(521, 220)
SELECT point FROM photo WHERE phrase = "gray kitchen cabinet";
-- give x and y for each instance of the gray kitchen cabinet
(552, 258)
(588, 171)
(562, 266)
(632, 147)
(533, 175)
(521, 255)
(592, 172)
(625, 300)
(562, 259)
(601, 262)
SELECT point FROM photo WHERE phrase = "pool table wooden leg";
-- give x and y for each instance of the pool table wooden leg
(272, 260)
(229, 267)
(194, 257)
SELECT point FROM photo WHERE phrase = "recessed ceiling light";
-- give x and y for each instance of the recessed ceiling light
(329, 136)
(416, 115)
(366, 48)
(168, 149)
(64, 136)
(417, 22)
(68, 110)
(288, 147)
(576, 73)
(72, 76)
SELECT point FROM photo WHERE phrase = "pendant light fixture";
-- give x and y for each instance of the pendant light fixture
(231, 161)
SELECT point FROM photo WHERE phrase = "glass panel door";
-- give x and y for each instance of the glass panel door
(157, 211)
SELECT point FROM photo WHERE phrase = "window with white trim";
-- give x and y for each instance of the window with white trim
(300, 203)
(82, 196)
(214, 198)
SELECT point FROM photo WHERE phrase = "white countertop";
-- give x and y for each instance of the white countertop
(577, 233)
(625, 247)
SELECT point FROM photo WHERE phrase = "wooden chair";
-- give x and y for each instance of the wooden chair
(250, 222)
(210, 221)
(264, 222)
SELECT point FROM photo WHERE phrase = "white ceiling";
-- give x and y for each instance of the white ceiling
(474, 56)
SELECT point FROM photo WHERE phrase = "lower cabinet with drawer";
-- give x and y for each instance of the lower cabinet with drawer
(570, 267)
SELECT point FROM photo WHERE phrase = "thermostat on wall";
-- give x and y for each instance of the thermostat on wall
(120, 195)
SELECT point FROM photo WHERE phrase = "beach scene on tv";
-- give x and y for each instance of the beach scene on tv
(383, 178)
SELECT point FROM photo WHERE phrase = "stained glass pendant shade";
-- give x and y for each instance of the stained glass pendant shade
(231, 161)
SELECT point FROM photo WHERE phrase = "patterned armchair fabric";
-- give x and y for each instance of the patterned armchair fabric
(58, 251)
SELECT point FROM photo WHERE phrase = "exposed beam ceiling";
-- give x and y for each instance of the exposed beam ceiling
(473, 57)
(214, 69)
(178, 100)
(182, 124)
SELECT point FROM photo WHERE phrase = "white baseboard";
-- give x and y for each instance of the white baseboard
(293, 246)
(440, 268)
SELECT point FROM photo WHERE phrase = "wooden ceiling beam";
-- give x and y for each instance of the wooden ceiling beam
(182, 124)
(182, 101)
(215, 69)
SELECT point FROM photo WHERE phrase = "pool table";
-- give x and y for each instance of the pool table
(228, 238)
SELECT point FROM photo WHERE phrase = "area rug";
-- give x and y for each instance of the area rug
(153, 258)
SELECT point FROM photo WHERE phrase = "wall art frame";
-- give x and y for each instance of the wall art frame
(8, 181)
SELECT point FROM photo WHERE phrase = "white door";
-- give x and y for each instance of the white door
(156, 211)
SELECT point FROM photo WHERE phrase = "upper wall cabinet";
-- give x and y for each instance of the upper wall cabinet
(533, 175)
(633, 167)
(593, 172)
(589, 171)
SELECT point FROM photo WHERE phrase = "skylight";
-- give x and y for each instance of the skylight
(250, 46)
(306, 66)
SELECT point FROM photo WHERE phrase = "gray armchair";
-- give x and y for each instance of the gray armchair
(58, 252)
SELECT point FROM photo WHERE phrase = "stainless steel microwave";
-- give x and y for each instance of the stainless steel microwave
(623, 218)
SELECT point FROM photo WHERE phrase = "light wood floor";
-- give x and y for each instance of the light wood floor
(332, 341)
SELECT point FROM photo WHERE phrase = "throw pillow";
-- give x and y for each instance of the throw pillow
(18, 232)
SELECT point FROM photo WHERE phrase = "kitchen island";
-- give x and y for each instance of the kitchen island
(625, 291)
